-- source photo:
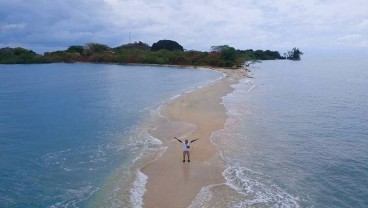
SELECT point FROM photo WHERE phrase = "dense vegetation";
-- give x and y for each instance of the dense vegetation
(161, 52)
(168, 45)
(19, 56)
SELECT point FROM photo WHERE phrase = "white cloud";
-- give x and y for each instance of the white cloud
(357, 40)
(15, 26)
(351, 37)
(196, 24)
(364, 24)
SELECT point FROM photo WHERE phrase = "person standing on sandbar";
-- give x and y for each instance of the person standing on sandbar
(186, 146)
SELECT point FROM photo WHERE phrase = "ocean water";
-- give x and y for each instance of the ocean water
(75, 135)
(297, 136)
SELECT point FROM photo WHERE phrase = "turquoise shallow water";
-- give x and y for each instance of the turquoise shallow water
(297, 136)
(74, 135)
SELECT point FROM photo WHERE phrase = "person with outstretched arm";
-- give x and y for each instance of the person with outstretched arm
(186, 146)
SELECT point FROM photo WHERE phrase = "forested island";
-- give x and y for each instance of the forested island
(162, 52)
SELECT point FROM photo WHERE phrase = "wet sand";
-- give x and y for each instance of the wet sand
(172, 183)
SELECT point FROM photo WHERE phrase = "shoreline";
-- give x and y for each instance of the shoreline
(196, 114)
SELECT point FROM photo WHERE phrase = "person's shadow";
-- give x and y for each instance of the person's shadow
(185, 168)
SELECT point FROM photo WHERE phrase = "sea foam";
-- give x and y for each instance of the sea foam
(138, 190)
(252, 188)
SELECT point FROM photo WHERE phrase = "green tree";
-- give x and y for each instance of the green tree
(19, 56)
(168, 45)
(228, 54)
(62, 56)
(91, 48)
(75, 49)
(294, 54)
(135, 45)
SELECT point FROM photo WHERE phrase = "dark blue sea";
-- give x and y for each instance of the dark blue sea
(297, 136)
(75, 135)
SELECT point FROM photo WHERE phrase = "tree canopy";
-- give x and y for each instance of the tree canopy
(135, 45)
(228, 54)
(19, 56)
(90, 48)
(294, 54)
(161, 52)
(75, 48)
(168, 45)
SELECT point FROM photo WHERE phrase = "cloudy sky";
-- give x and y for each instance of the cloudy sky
(315, 26)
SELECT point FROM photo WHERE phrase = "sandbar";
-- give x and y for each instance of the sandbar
(197, 114)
